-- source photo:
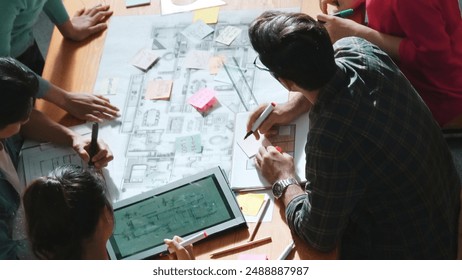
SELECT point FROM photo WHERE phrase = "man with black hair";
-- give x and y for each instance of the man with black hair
(381, 180)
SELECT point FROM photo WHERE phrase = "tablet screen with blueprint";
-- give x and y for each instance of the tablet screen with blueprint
(202, 202)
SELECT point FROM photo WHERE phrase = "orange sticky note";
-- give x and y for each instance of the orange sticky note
(159, 90)
(216, 63)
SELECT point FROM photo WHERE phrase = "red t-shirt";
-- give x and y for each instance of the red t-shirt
(431, 51)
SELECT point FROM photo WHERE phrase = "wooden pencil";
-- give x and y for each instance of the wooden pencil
(241, 246)
(259, 219)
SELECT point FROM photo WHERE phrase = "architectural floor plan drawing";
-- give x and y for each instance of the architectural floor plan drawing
(40, 162)
(145, 138)
(179, 212)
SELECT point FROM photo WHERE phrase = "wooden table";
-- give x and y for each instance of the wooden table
(74, 67)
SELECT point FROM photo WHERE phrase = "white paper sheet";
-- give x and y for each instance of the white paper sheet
(38, 159)
(228, 35)
(197, 31)
(244, 173)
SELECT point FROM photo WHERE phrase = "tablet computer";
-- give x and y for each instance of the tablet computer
(202, 202)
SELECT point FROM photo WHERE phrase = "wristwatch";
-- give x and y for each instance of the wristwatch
(281, 185)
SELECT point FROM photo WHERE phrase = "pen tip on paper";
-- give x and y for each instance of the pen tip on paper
(248, 134)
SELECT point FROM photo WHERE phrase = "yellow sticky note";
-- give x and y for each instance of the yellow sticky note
(209, 15)
(250, 203)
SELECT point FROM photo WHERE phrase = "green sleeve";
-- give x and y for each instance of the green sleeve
(56, 11)
(44, 86)
(8, 13)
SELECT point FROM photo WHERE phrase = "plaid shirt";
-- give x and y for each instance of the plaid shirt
(382, 181)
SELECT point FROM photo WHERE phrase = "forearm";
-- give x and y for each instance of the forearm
(56, 95)
(291, 193)
(294, 211)
(43, 129)
(388, 43)
(298, 103)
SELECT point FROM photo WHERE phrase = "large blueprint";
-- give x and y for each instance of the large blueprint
(153, 141)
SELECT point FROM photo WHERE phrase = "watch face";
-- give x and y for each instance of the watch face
(278, 189)
(281, 185)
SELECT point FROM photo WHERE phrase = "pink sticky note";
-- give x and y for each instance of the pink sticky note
(203, 99)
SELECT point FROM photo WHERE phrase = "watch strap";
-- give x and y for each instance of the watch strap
(283, 184)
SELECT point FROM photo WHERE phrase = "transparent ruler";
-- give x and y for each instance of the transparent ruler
(241, 85)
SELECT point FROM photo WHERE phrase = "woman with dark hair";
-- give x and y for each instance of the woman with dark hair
(18, 119)
(69, 216)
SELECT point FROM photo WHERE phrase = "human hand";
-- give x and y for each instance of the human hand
(179, 252)
(339, 28)
(89, 107)
(274, 165)
(101, 159)
(88, 22)
(281, 114)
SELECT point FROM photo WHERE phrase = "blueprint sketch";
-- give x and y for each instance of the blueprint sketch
(38, 165)
(144, 138)
(38, 159)
(181, 211)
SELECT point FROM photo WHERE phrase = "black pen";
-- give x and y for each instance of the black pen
(94, 142)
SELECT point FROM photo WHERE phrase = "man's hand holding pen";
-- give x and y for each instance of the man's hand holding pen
(280, 114)
(265, 123)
